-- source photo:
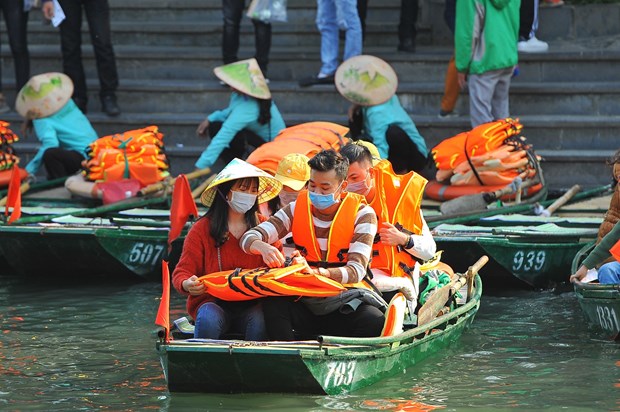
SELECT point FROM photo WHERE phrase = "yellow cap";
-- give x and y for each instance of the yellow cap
(293, 171)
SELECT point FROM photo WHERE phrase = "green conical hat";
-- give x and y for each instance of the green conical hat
(366, 80)
(44, 95)
(246, 77)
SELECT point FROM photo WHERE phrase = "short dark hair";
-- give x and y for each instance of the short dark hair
(327, 160)
(354, 152)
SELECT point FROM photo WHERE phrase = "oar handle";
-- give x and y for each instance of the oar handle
(561, 201)
(156, 187)
(23, 188)
(201, 187)
(475, 268)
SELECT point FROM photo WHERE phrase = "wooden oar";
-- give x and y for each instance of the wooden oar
(437, 300)
(23, 188)
(201, 187)
(93, 211)
(480, 201)
(159, 186)
(559, 202)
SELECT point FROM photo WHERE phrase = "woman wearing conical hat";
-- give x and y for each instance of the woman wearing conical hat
(251, 117)
(63, 130)
(212, 245)
(377, 115)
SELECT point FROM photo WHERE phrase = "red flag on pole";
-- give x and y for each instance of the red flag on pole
(163, 313)
(182, 207)
(14, 196)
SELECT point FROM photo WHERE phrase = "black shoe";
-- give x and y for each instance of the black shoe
(407, 47)
(109, 106)
(311, 81)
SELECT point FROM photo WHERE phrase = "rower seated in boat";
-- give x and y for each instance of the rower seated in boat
(212, 245)
(63, 130)
(333, 231)
(608, 273)
(403, 234)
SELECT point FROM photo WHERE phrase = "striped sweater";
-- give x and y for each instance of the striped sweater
(360, 247)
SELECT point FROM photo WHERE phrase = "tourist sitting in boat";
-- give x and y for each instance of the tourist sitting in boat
(609, 273)
(63, 130)
(612, 216)
(377, 115)
(404, 235)
(212, 245)
(293, 172)
(333, 230)
(251, 117)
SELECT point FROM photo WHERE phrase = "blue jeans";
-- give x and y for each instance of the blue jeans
(609, 273)
(215, 319)
(331, 16)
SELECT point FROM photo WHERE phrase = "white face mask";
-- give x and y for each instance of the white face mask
(287, 197)
(241, 202)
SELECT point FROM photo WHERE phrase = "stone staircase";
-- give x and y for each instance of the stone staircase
(567, 99)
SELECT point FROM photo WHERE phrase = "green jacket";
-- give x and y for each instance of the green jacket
(601, 252)
(486, 35)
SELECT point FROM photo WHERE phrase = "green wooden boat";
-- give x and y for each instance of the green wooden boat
(600, 304)
(329, 365)
(539, 255)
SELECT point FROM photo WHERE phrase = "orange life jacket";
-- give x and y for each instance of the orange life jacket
(397, 200)
(143, 155)
(306, 138)
(615, 251)
(340, 231)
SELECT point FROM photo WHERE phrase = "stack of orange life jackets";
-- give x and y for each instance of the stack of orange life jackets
(136, 154)
(8, 158)
(490, 154)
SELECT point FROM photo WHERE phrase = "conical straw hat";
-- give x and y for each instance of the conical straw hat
(366, 80)
(268, 186)
(245, 76)
(44, 95)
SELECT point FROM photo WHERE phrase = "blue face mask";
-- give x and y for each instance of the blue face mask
(323, 201)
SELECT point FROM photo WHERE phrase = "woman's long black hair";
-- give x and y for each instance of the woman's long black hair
(264, 113)
(218, 212)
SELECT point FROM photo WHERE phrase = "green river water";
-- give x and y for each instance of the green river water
(90, 346)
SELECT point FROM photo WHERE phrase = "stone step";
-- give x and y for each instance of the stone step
(210, 11)
(544, 132)
(288, 63)
(208, 34)
(178, 96)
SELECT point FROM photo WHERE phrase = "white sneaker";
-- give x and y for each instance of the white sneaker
(533, 45)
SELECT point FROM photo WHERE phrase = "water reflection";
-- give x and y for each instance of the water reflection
(91, 346)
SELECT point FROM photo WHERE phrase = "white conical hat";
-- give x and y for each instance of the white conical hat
(44, 95)
(245, 76)
(366, 80)
(268, 186)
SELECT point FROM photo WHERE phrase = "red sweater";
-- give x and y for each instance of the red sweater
(199, 258)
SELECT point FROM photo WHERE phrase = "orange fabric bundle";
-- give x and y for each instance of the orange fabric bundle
(141, 151)
(490, 154)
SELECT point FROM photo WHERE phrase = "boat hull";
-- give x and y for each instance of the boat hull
(331, 366)
(600, 305)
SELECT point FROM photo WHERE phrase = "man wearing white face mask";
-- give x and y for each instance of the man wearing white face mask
(403, 232)
(333, 231)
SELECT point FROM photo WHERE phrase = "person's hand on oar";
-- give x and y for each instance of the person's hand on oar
(193, 286)
(579, 275)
